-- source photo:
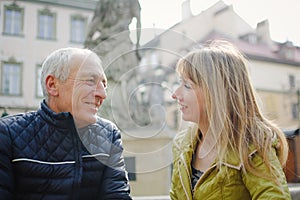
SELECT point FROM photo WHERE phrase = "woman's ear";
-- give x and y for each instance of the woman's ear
(51, 85)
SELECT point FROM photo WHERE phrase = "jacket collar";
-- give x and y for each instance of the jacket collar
(63, 120)
(186, 142)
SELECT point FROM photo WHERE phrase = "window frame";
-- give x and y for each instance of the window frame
(292, 81)
(84, 21)
(46, 12)
(295, 111)
(13, 7)
(19, 92)
(38, 85)
(130, 165)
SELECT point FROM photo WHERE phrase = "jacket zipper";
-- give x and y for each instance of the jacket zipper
(78, 164)
(180, 176)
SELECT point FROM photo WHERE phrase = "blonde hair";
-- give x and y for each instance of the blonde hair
(234, 117)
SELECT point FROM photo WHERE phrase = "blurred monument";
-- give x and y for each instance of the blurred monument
(109, 36)
(135, 95)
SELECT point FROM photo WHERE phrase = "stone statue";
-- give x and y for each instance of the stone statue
(108, 35)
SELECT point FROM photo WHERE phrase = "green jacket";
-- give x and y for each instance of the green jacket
(230, 184)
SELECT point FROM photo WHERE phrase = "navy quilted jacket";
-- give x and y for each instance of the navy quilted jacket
(43, 156)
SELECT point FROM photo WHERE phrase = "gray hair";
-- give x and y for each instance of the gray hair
(57, 64)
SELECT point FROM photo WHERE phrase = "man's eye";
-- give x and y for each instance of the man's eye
(91, 82)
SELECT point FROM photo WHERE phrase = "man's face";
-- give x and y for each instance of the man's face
(84, 91)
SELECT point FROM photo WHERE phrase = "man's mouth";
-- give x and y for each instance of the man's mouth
(94, 105)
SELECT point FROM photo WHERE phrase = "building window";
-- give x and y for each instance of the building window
(78, 28)
(11, 79)
(39, 90)
(46, 25)
(292, 81)
(130, 167)
(13, 20)
(295, 111)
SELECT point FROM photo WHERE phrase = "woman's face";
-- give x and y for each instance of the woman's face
(191, 101)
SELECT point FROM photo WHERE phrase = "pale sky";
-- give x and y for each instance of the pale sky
(283, 16)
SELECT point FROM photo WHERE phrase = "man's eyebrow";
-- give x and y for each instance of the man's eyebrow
(88, 74)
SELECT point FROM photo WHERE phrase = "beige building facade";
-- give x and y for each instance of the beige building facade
(30, 30)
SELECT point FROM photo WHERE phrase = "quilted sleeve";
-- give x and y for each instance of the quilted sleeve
(6, 170)
(259, 187)
(115, 183)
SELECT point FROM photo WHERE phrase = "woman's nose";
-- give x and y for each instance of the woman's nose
(174, 96)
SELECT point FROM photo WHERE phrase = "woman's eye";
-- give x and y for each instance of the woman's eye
(188, 86)
(185, 84)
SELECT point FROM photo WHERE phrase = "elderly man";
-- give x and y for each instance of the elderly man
(64, 150)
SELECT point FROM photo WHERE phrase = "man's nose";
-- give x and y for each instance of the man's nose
(100, 90)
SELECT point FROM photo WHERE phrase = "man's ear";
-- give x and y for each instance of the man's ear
(51, 85)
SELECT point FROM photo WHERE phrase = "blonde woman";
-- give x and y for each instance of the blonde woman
(233, 152)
